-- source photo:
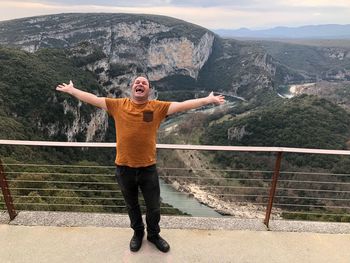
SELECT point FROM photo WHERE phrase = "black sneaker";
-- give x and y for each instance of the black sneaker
(159, 242)
(136, 241)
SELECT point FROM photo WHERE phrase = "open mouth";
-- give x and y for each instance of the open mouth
(139, 90)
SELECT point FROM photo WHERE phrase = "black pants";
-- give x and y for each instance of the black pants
(146, 178)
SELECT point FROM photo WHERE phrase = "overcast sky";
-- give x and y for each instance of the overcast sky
(212, 14)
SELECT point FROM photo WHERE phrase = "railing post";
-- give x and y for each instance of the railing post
(273, 188)
(6, 193)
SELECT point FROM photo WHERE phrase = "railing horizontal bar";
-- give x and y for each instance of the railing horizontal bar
(116, 199)
(231, 187)
(74, 174)
(172, 168)
(70, 197)
(176, 192)
(313, 190)
(315, 182)
(64, 189)
(183, 177)
(58, 165)
(321, 214)
(61, 182)
(179, 147)
(58, 189)
(314, 173)
(219, 178)
(217, 186)
(80, 205)
(214, 194)
(319, 206)
(313, 198)
(45, 204)
(219, 170)
(118, 191)
(166, 176)
(111, 175)
(57, 144)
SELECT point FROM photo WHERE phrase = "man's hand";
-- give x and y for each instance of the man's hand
(82, 95)
(67, 88)
(219, 99)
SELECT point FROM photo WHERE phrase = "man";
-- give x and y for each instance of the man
(137, 120)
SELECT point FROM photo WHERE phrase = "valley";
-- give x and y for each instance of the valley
(183, 61)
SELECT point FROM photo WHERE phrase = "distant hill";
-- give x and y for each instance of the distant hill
(323, 62)
(331, 31)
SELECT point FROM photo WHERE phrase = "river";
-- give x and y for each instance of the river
(184, 202)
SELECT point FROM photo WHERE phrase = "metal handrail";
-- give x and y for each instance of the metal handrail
(273, 189)
(180, 147)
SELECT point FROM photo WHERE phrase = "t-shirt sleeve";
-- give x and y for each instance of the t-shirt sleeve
(163, 107)
(112, 105)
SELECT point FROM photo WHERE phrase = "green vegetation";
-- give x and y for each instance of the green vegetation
(27, 90)
(304, 122)
(32, 109)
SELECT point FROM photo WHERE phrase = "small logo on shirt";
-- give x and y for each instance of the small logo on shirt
(148, 116)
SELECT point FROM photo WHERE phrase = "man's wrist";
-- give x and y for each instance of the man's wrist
(208, 100)
(73, 91)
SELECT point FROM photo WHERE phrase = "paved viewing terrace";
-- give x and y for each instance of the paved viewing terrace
(91, 237)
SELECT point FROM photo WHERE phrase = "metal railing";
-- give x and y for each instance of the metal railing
(27, 185)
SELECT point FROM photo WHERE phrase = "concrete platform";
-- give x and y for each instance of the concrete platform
(38, 241)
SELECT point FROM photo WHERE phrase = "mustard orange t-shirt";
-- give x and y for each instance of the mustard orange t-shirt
(136, 129)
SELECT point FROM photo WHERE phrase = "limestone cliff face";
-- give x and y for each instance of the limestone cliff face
(115, 47)
(148, 43)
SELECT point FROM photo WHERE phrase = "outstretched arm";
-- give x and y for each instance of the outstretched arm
(82, 95)
(195, 103)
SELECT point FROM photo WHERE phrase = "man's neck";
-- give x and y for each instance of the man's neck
(139, 101)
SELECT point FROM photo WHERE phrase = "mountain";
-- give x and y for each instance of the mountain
(111, 49)
(331, 63)
(331, 31)
(154, 44)
(102, 52)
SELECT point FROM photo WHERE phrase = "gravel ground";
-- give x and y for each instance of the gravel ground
(41, 218)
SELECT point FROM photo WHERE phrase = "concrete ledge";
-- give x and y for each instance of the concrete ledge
(4, 217)
(70, 219)
(309, 226)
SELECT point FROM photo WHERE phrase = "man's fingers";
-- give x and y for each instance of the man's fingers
(61, 87)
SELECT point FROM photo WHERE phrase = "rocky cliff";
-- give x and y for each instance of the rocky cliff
(114, 47)
(153, 45)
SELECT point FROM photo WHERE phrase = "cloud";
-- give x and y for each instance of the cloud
(316, 3)
(107, 3)
(209, 14)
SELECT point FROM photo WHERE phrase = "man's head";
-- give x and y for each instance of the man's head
(140, 90)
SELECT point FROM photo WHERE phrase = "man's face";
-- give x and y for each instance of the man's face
(140, 89)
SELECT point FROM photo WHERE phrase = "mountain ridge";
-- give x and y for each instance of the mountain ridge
(325, 31)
